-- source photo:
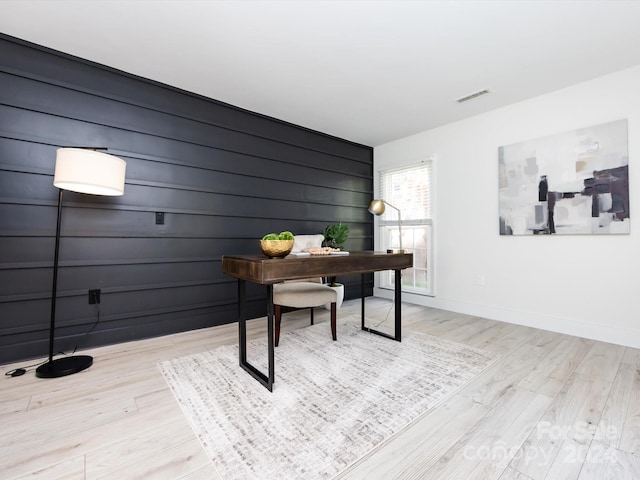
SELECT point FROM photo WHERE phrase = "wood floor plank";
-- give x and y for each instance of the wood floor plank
(511, 474)
(569, 460)
(72, 469)
(630, 441)
(11, 406)
(88, 393)
(469, 329)
(549, 376)
(569, 355)
(501, 338)
(441, 324)
(573, 413)
(614, 415)
(608, 463)
(505, 374)
(44, 425)
(136, 448)
(602, 361)
(206, 472)
(631, 357)
(175, 462)
(507, 442)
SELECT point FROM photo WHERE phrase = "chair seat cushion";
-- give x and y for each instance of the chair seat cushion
(303, 294)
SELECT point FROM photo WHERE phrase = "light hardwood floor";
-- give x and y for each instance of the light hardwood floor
(553, 407)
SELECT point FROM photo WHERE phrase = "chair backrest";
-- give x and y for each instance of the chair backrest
(300, 242)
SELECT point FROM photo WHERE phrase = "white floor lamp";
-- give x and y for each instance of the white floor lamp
(84, 171)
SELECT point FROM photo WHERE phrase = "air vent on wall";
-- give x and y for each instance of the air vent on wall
(472, 96)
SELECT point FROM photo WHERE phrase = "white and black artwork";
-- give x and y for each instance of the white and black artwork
(571, 183)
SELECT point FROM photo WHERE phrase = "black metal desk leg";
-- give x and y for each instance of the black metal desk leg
(398, 301)
(270, 340)
(362, 297)
(265, 380)
(242, 321)
(398, 311)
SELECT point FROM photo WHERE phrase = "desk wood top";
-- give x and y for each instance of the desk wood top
(265, 270)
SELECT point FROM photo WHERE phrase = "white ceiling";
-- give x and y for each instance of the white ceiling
(367, 71)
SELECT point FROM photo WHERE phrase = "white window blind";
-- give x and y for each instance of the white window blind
(410, 190)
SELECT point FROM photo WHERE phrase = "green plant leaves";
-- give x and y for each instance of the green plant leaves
(335, 235)
(286, 235)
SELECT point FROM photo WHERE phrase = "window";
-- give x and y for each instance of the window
(409, 189)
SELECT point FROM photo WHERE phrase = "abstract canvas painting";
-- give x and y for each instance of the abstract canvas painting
(571, 183)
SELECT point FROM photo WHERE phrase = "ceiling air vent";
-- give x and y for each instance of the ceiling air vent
(472, 96)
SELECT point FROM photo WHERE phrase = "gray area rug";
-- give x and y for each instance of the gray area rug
(332, 403)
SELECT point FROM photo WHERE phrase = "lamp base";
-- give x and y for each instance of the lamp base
(64, 366)
(395, 250)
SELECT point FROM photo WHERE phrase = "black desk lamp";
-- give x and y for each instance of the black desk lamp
(84, 171)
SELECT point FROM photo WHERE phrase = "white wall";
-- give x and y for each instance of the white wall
(584, 285)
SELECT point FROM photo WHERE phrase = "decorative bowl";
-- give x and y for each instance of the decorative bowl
(276, 248)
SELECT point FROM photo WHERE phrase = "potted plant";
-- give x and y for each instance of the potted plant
(334, 236)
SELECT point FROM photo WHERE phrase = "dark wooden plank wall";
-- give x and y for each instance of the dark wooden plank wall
(222, 175)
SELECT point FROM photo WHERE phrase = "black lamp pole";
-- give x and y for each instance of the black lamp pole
(65, 365)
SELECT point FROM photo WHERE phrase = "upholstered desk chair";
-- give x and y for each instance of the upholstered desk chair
(306, 293)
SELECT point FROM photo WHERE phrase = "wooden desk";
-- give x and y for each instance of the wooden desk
(268, 271)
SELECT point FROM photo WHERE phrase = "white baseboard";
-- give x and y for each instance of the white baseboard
(568, 326)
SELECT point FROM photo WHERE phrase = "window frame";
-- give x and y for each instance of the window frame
(386, 224)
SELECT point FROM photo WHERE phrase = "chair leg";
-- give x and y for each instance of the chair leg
(278, 314)
(311, 315)
(333, 321)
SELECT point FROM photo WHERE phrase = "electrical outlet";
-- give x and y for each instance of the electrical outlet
(159, 218)
(94, 296)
